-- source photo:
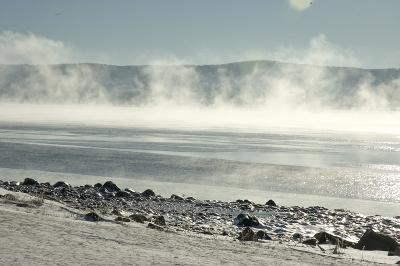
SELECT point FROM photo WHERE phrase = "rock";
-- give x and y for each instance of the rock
(122, 219)
(244, 219)
(30, 182)
(310, 241)
(148, 193)
(122, 194)
(247, 235)
(61, 184)
(159, 220)
(396, 252)
(262, 235)
(154, 226)
(376, 241)
(297, 236)
(23, 205)
(115, 211)
(324, 237)
(110, 186)
(139, 218)
(92, 217)
(129, 190)
(15, 183)
(270, 203)
(176, 197)
(98, 185)
(10, 197)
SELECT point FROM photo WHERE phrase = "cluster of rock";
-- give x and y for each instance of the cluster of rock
(242, 219)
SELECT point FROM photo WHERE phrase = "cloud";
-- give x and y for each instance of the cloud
(300, 5)
(20, 48)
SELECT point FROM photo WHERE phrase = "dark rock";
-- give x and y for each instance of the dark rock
(130, 191)
(262, 235)
(139, 218)
(92, 217)
(148, 193)
(394, 253)
(30, 182)
(115, 211)
(122, 219)
(297, 236)
(10, 197)
(61, 184)
(270, 203)
(244, 219)
(324, 237)
(159, 220)
(376, 241)
(176, 197)
(110, 186)
(310, 241)
(122, 194)
(23, 205)
(154, 226)
(98, 185)
(247, 235)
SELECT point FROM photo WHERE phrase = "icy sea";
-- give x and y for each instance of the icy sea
(360, 172)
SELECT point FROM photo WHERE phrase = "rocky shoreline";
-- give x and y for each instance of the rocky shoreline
(243, 220)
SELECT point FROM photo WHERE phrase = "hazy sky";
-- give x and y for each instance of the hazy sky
(208, 31)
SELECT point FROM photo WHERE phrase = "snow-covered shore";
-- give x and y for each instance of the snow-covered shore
(54, 234)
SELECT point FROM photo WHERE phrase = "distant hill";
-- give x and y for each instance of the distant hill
(251, 83)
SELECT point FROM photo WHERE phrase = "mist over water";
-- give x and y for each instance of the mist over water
(301, 128)
(252, 95)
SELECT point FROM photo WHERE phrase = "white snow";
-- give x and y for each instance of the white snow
(56, 235)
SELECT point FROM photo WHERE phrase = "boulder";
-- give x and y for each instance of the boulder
(376, 241)
(98, 185)
(297, 236)
(244, 219)
(154, 226)
(310, 241)
(148, 193)
(247, 235)
(159, 220)
(262, 235)
(30, 182)
(122, 219)
(176, 197)
(270, 203)
(129, 190)
(325, 237)
(122, 194)
(110, 186)
(139, 218)
(115, 211)
(61, 184)
(396, 252)
(92, 217)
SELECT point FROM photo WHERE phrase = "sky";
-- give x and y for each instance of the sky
(362, 33)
